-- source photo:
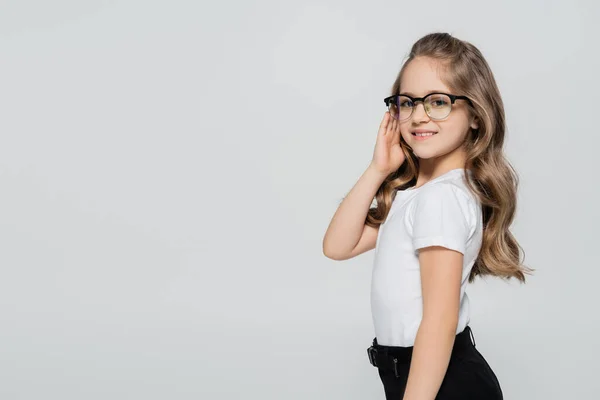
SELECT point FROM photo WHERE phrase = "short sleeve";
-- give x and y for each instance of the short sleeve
(441, 218)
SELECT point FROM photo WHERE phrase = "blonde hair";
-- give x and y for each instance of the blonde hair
(493, 179)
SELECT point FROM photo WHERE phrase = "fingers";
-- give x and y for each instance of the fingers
(385, 122)
(389, 125)
(392, 126)
(396, 133)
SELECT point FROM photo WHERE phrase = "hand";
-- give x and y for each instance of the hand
(388, 155)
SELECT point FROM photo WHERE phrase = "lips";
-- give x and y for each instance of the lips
(423, 135)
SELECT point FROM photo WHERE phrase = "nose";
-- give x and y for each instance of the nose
(419, 114)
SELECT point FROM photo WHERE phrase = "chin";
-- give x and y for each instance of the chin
(428, 152)
(424, 155)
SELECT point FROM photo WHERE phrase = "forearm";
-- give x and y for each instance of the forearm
(430, 359)
(347, 224)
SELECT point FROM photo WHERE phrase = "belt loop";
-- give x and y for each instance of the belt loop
(472, 336)
(372, 353)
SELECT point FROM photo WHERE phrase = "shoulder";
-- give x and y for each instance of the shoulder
(445, 197)
(448, 190)
(442, 214)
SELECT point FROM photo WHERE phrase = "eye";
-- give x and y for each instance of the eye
(439, 101)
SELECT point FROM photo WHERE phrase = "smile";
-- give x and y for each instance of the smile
(423, 136)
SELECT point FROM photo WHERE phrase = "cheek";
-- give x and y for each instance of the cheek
(458, 126)
(404, 131)
(405, 135)
(455, 129)
(459, 132)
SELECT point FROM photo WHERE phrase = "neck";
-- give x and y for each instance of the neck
(431, 168)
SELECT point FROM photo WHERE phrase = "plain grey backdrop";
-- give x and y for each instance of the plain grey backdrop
(168, 170)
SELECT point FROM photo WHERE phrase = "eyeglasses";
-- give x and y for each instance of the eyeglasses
(437, 105)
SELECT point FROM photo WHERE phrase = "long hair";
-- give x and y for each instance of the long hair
(494, 181)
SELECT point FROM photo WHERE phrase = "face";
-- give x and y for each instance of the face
(421, 77)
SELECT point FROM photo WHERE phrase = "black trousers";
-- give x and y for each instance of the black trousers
(468, 377)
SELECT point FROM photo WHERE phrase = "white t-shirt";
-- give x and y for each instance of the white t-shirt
(441, 212)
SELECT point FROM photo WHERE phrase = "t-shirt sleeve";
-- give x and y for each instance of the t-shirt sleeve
(441, 217)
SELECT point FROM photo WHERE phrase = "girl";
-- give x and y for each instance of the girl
(445, 198)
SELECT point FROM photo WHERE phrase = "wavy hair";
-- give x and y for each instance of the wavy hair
(494, 181)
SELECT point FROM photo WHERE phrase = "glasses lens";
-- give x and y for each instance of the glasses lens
(405, 107)
(438, 106)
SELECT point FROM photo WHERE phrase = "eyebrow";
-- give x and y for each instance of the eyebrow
(431, 91)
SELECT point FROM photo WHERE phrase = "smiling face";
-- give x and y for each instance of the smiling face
(421, 77)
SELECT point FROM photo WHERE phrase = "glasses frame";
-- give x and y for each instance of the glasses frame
(415, 100)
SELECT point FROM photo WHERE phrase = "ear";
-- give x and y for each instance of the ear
(475, 123)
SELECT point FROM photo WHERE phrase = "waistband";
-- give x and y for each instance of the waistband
(462, 341)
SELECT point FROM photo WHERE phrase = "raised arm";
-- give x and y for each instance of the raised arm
(347, 235)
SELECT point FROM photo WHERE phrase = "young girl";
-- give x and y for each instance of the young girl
(445, 198)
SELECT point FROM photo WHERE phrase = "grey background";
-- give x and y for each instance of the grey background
(168, 170)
